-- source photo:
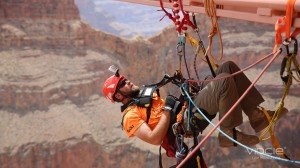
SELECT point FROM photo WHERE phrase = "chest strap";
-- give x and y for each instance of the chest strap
(144, 99)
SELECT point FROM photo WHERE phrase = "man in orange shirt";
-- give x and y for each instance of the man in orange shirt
(216, 96)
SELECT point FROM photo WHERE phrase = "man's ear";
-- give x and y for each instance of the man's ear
(119, 96)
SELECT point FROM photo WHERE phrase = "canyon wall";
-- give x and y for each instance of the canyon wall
(53, 65)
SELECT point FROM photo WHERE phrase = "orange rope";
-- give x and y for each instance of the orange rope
(295, 33)
(289, 16)
(275, 141)
(210, 10)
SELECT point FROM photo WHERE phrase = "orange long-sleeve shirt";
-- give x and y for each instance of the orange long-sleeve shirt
(134, 116)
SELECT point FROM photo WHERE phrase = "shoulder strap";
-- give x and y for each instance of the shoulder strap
(138, 103)
(130, 103)
(123, 107)
(144, 99)
(148, 114)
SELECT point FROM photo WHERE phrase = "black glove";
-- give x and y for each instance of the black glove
(170, 103)
(194, 88)
(173, 104)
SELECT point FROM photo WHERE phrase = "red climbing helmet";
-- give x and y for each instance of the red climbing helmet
(110, 86)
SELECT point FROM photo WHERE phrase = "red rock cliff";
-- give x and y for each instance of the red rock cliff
(42, 9)
(52, 68)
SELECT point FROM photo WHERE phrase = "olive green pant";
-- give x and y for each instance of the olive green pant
(221, 95)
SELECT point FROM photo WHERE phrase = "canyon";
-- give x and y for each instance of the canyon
(53, 66)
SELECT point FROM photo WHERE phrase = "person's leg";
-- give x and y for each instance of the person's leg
(253, 97)
(220, 96)
(252, 100)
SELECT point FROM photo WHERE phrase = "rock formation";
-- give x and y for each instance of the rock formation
(52, 67)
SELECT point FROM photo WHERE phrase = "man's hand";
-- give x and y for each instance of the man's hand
(194, 88)
(170, 103)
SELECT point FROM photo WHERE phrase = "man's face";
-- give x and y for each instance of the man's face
(127, 88)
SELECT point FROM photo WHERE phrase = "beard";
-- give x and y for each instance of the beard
(134, 92)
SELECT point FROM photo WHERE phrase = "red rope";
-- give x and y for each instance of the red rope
(166, 12)
(229, 112)
(186, 19)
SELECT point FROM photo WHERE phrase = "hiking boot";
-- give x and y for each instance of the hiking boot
(259, 120)
(248, 140)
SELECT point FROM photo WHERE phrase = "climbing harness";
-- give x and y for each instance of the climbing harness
(173, 143)
(188, 127)
(192, 122)
(144, 98)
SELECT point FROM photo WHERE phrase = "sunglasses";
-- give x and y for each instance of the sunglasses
(121, 84)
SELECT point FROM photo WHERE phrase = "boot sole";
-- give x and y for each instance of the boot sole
(263, 125)
(230, 143)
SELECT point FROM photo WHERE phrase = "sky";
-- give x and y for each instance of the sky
(134, 18)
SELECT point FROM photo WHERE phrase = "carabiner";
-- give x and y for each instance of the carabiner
(288, 55)
(181, 39)
(177, 129)
(179, 50)
(287, 42)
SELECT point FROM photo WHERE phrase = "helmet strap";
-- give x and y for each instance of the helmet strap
(120, 100)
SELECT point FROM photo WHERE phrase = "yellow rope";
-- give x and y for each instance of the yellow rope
(194, 43)
(273, 120)
(271, 129)
(199, 162)
(210, 10)
(281, 103)
(275, 143)
(200, 52)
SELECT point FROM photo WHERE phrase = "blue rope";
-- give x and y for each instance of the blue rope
(244, 146)
(189, 115)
